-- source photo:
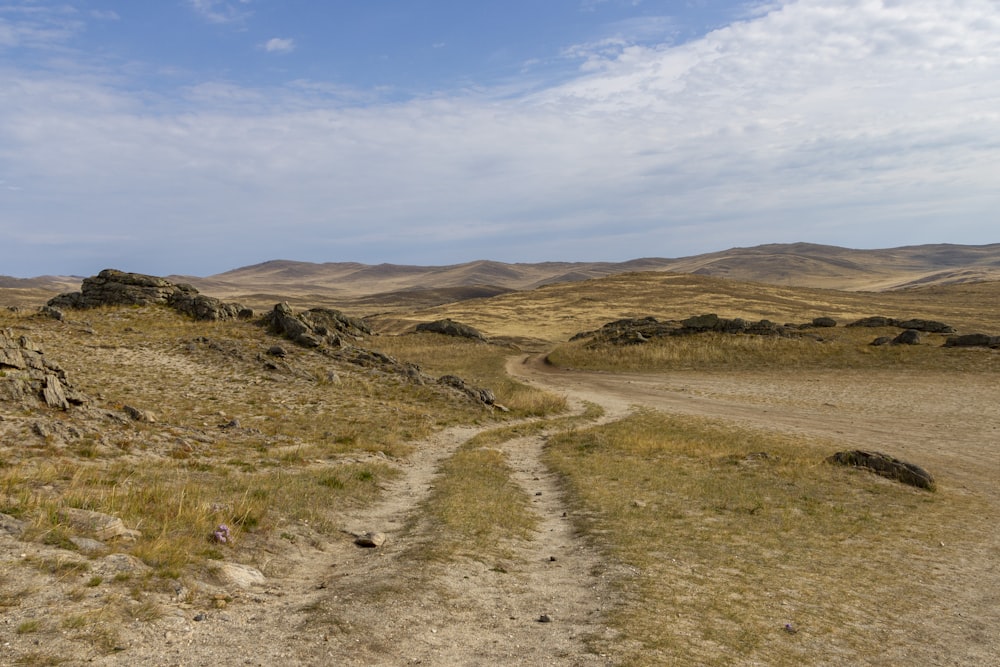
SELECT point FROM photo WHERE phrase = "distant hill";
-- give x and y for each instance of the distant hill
(795, 264)
(391, 286)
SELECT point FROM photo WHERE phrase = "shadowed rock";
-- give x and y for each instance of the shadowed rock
(886, 466)
(908, 337)
(450, 328)
(972, 340)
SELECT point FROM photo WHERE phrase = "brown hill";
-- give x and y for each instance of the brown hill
(374, 288)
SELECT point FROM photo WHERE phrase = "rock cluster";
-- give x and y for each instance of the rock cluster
(329, 330)
(927, 326)
(315, 327)
(117, 288)
(886, 466)
(633, 331)
(450, 327)
(25, 374)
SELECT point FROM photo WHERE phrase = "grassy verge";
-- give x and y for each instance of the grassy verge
(840, 348)
(734, 535)
(177, 507)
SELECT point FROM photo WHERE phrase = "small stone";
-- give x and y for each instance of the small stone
(201, 617)
(370, 540)
(544, 618)
(638, 503)
(552, 559)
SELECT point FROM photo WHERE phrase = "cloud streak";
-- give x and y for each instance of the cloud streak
(860, 123)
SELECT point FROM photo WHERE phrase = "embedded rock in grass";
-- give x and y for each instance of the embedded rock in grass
(449, 327)
(886, 466)
(11, 526)
(908, 337)
(314, 327)
(973, 340)
(135, 414)
(824, 322)
(101, 526)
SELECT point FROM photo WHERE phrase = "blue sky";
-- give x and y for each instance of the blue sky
(196, 136)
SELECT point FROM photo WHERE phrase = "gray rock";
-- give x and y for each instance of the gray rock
(824, 322)
(11, 526)
(973, 340)
(135, 414)
(449, 327)
(886, 466)
(370, 540)
(240, 576)
(101, 526)
(908, 337)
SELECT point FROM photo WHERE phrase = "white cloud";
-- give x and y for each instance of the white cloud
(279, 45)
(221, 11)
(858, 123)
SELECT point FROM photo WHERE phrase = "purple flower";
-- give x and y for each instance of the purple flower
(221, 533)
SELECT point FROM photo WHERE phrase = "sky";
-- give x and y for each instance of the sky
(197, 136)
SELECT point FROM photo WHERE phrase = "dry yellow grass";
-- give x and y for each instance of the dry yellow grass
(746, 548)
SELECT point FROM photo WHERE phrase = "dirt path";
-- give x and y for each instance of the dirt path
(332, 602)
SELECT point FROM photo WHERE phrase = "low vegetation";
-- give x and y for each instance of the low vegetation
(746, 548)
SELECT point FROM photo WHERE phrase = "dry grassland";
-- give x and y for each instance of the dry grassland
(740, 545)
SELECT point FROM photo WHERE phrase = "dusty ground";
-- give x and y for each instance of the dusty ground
(331, 602)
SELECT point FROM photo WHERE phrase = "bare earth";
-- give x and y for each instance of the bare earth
(332, 602)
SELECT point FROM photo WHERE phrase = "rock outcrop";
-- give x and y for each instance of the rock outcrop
(634, 331)
(25, 374)
(450, 327)
(117, 288)
(973, 340)
(315, 327)
(926, 326)
(886, 466)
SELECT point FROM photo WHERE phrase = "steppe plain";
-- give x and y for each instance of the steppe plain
(657, 504)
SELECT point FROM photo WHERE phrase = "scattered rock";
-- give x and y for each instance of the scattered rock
(449, 327)
(544, 618)
(881, 340)
(926, 326)
(120, 564)
(886, 466)
(370, 540)
(277, 351)
(240, 576)
(135, 414)
(87, 545)
(102, 526)
(11, 526)
(824, 322)
(973, 340)
(908, 337)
